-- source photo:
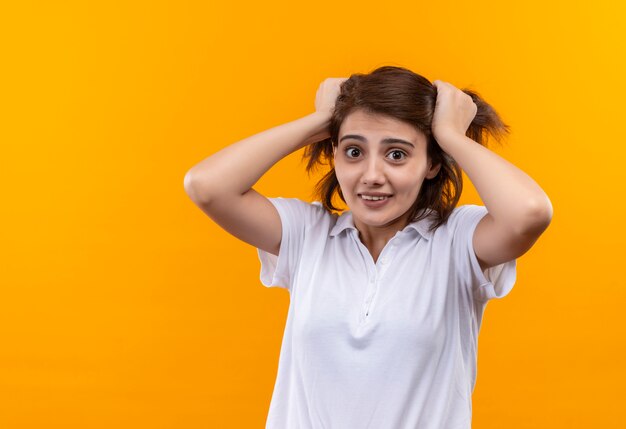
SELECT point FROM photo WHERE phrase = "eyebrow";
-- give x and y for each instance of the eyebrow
(383, 141)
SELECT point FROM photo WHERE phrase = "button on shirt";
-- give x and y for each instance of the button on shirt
(388, 344)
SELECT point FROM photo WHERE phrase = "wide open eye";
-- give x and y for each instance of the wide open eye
(400, 152)
(351, 150)
(350, 153)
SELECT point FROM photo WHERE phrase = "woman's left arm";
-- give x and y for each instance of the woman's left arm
(519, 211)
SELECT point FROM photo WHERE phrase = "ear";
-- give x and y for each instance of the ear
(433, 171)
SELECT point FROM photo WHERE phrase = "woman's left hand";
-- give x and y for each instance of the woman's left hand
(454, 111)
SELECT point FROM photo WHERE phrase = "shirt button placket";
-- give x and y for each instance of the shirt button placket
(376, 275)
(371, 292)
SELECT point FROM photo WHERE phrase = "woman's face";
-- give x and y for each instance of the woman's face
(366, 163)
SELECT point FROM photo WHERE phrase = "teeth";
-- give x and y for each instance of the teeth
(366, 197)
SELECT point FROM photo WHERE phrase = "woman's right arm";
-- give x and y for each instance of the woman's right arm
(221, 185)
(236, 168)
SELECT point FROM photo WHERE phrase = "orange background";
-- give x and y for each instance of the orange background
(123, 305)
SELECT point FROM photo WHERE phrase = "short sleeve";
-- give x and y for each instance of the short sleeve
(278, 271)
(496, 281)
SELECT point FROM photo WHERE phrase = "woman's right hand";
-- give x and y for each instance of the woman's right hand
(327, 94)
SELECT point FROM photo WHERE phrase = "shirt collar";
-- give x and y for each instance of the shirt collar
(345, 221)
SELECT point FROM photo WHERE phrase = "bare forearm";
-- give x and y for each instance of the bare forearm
(511, 196)
(237, 167)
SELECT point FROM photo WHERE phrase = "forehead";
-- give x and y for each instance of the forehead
(377, 126)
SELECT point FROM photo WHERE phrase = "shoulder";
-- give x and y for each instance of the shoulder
(301, 212)
(464, 214)
(297, 204)
(462, 219)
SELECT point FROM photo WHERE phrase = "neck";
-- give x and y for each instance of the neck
(376, 237)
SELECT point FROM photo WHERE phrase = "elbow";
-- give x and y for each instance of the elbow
(543, 210)
(538, 217)
(187, 182)
(188, 185)
(192, 190)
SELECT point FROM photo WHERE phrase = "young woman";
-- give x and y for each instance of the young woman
(387, 298)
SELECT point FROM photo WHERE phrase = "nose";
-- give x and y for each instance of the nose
(373, 174)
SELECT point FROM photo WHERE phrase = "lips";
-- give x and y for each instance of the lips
(378, 198)
(375, 204)
(375, 194)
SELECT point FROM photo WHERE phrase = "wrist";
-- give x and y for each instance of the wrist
(318, 125)
(442, 136)
(323, 117)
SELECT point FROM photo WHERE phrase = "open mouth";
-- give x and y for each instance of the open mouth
(374, 198)
(375, 202)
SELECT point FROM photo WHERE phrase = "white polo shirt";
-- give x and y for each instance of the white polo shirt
(385, 345)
